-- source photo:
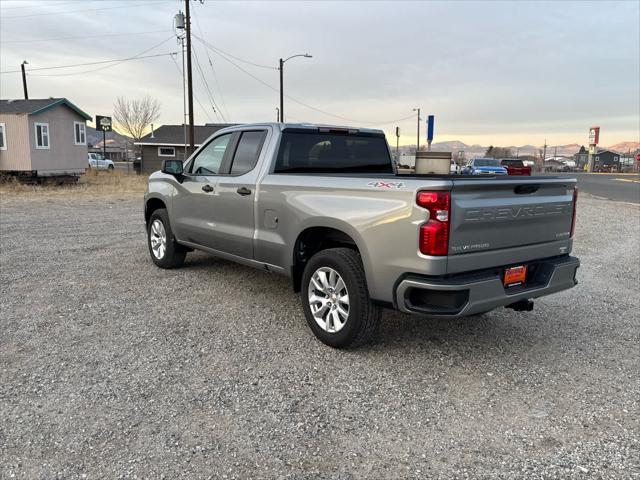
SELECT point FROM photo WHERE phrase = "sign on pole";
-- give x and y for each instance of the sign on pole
(430, 122)
(103, 123)
(594, 138)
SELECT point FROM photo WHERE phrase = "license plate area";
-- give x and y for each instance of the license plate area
(515, 276)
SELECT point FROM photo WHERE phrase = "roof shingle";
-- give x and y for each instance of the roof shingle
(38, 105)
(174, 134)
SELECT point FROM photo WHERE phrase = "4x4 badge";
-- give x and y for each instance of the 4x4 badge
(386, 185)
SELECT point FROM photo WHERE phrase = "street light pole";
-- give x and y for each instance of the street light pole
(281, 68)
(418, 131)
(24, 79)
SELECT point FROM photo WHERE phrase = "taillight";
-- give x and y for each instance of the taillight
(434, 234)
(573, 218)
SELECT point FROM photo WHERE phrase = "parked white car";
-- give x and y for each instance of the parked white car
(97, 161)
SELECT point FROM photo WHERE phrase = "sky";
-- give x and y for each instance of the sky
(501, 73)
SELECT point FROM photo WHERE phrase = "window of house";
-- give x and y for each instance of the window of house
(80, 133)
(166, 152)
(42, 135)
(3, 136)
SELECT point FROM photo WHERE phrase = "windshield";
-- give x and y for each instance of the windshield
(333, 152)
(486, 162)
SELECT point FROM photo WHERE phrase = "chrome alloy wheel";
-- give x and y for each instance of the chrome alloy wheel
(158, 238)
(328, 299)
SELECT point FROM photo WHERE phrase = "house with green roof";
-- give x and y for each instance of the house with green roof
(43, 137)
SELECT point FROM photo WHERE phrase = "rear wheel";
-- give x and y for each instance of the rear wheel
(165, 251)
(335, 299)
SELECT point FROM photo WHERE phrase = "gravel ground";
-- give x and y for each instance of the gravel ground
(112, 368)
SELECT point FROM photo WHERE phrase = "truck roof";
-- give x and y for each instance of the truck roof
(312, 126)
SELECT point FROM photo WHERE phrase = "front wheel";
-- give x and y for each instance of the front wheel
(165, 251)
(335, 299)
(110, 168)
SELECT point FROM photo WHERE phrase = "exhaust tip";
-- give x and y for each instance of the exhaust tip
(521, 306)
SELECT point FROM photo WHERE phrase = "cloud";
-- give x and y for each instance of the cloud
(516, 71)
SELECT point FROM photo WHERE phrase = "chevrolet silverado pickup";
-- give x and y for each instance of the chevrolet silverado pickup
(325, 206)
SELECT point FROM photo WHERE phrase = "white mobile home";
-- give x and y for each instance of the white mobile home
(42, 137)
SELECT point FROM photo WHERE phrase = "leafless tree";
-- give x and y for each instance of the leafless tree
(498, 152)
(133, 117)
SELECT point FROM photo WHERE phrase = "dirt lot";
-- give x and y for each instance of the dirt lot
(110, 367)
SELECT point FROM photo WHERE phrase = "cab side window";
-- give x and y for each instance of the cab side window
(247, 152)
(210, 158)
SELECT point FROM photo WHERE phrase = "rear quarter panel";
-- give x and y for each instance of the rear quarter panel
(383, 222)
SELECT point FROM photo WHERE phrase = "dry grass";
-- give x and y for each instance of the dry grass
(92, 183)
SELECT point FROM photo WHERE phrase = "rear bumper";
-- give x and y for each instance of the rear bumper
(478, 292)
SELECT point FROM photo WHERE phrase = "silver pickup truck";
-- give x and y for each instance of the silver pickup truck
(325, 206)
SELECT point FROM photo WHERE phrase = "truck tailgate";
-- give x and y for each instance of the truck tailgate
(509, 213)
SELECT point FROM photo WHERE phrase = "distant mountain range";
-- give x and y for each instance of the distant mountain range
(552, 150)
(94, 137)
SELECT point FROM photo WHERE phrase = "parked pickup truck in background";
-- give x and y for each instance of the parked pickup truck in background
(325, 206)
(98, 162)
(515, 166)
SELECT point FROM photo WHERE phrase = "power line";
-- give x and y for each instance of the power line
(194, 95)
(75, 2)
(86, 36)
(213, 72)
(68, 12)
(218, 50)
(100, 68)
(135, 57)
(38, 6)
(295, 100)
(214, 107)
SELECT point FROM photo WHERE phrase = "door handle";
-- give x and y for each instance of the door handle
(243, 191)
(207, 188)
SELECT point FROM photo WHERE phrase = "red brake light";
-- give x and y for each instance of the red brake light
(434, 234)
(573, 218)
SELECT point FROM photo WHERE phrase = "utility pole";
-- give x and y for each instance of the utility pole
(281, 91)
(418, 132)
(24, 79)
(189, 79)
(277, 114)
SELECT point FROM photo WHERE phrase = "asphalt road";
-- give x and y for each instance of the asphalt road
(622, 188)
(113, 368)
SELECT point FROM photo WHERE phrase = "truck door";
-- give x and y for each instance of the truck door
(194, 205)
(234, 200)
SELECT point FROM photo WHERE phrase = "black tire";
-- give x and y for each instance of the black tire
(174, 253)
(363, 317)
(110, 168)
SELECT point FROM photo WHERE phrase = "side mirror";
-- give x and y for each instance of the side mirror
(172, 167)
